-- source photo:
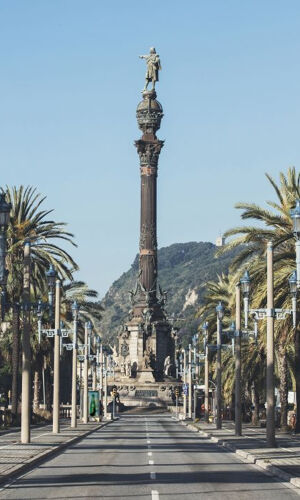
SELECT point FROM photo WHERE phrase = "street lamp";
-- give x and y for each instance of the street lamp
(87, 342)
(220, 311)
(51, 275)
(206, 371)
(295, 215)
(293, 291)
(75, 310)
(220, 316)
(245, 286)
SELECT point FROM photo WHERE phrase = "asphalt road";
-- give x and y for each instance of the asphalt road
(146, 457)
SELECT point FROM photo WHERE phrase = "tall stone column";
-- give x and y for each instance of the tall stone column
(149, 115)
(146, 344)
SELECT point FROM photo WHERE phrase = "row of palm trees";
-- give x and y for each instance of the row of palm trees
(267, 224)
(29, 221)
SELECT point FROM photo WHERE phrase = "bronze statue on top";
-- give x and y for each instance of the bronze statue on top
(153, 67)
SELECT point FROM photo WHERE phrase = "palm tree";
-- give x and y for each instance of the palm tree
(274, 224)
(28, 222)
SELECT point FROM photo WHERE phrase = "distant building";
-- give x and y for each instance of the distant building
(220, 241)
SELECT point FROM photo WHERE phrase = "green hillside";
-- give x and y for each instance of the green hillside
(183, 268)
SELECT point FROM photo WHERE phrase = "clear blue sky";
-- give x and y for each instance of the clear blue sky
(69, 86)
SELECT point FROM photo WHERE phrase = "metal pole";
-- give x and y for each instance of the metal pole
(85, 376)
(190, 382)
(56, 399)
(195, 402)
(298, 261)
(219, 375)
(270, 350)
(238, 413)
(74, 373)
(105, 389)
(114, 407)
(26, 350)
(177, 407)
(184, 381)
(206, 384)
(101, 374)
(94, 366)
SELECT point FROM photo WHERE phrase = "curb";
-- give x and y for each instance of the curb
(45, 455)
(267, 468)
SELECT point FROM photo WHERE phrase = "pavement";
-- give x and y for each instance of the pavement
(16, 458)
(282, 461)
(147, 457)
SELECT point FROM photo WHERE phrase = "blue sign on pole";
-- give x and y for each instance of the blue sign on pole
(185, 389)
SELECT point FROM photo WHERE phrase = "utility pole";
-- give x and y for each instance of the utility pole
(238, 333)
(56, 397)
(26, 350)
(270, 349)
(85, 376)
(74, 366)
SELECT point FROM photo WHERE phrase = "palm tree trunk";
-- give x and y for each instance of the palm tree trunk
(15, 360)
(297, 375)
(283, 385)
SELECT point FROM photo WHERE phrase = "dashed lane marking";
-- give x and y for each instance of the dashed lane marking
(155, 495)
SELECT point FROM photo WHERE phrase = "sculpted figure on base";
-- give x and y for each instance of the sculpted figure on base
(153, 67)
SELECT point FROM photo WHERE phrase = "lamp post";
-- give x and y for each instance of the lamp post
(190, 402)
(87, 338)
(271, 314)
(237, 403)
(295, 214)
(101, 373)
(56, 388)
(105, 367)
(220, 315)
(206, 372)
(75, 309)
(184, 383)
(26, 350)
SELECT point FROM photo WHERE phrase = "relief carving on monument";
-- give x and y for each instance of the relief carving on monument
(148, 230)
(149, 153)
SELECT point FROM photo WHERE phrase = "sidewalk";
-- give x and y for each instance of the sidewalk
(282, 462)
(16, 458)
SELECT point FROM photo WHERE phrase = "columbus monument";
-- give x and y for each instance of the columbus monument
(144, 354)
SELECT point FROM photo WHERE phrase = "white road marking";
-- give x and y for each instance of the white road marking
(149, 453)
(152, 475)
(148, 441)
(151, 462)
(155, 495)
